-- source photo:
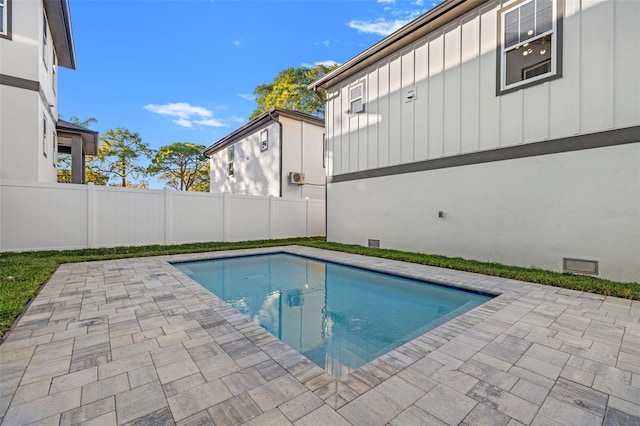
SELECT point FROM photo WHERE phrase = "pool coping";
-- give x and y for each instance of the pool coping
(533, 353)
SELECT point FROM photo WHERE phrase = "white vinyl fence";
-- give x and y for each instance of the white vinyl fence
(39, 216)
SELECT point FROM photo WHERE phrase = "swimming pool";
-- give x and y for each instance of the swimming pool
(340, 317)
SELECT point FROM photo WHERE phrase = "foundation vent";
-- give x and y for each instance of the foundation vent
(580, 266)
(374, 243)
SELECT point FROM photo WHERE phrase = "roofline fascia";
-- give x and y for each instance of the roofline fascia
(271, 115)
(59, 19)
(430, 21)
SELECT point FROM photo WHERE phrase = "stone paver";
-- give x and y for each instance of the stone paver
(136, 342)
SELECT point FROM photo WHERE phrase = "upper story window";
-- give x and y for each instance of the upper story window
(44, 39)
(230, 160)
(5, 18)
(44, 135)
(530, 43)
(356, 98)
(264, 140)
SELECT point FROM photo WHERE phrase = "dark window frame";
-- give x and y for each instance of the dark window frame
(557, 55)
(7, 9)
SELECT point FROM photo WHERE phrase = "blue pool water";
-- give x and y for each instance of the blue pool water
(339, 317)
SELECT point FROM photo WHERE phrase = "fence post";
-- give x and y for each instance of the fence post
(91, 215)
(306, 231)
(270, 230)
(167, 217)
(224, 217)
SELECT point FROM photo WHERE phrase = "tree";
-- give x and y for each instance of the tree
(119, 154)
(289, 90)
(181, 165)
(91, 172)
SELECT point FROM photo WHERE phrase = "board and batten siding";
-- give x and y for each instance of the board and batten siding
(457, 111)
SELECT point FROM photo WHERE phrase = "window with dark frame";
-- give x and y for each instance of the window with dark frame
(230, 160)
(530, 43)
(356, 98)
(4, 17)
(264, 140)
(44, 135)
(44, 39)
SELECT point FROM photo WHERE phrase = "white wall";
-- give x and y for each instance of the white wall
(303, 152)
(457, 110)
(527, 212)
(38, 216)
(22, 110)
(258, 172)
(255, 172)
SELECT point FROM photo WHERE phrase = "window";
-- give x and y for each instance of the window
(54, 69)
(356, 99)
(530, 45)
(264, 140)
(230, 161)
(4, 18)
(44, 135)
(44, 39)
(55, 150)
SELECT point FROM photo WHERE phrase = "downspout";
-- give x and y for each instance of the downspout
(314, 89)
(281, 148)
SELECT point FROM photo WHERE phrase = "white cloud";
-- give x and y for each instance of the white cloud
(237, 119)
(236, 43)
(327, 63)
(325, 43)
(179, 109)
(183, 122)
(380, 26)
(418, 3)
(211, 122)
(186, 115)
(247, 97)
(387, 1)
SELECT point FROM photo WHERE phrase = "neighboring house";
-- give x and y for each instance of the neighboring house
(496, 131)
(36, 38)
(278, 153)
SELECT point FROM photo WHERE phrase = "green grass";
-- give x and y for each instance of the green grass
(22, 274)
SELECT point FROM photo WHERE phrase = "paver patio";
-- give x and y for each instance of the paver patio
(137, 342)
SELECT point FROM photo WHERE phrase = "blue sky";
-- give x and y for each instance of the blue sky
(185, 71)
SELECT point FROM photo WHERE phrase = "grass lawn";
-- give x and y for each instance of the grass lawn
(22, 274)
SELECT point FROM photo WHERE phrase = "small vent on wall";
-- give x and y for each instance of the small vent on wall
(374, 243)
(580, 266)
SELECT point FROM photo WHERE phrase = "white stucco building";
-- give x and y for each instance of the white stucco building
(36, 38)
(503, 131)
(279, 153)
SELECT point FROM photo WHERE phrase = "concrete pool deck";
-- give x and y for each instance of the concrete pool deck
(135, 341)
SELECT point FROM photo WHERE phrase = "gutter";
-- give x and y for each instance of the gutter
(430, 21)
(281, 139)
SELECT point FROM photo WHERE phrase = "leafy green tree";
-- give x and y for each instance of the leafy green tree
(289, 90)
(119, 155)
(180, 165)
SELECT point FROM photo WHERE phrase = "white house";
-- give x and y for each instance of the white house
(504, 131)
(36, 38)
(278, 153)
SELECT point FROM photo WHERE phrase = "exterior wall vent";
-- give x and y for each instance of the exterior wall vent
(374, 243)
(580, 266)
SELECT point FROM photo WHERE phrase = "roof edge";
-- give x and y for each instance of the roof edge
(59, 19)
(271, 115)
(426, 23)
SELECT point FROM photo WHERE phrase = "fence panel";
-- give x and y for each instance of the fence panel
(37, 216)
(127, 216)
(195, 217)
(246, 218)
